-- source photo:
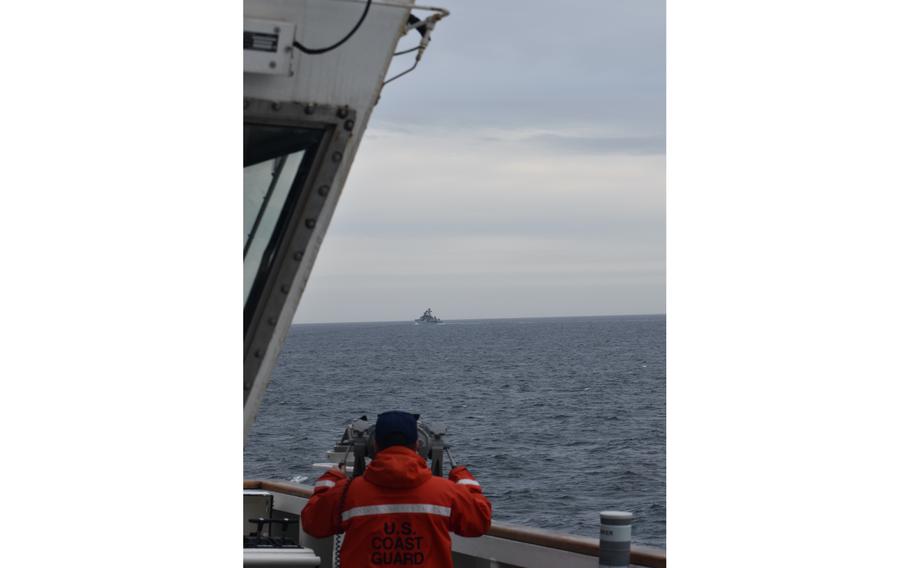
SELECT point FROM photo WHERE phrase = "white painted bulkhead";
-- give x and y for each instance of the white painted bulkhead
(352, 76)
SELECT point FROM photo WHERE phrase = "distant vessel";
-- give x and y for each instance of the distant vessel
(428, 317)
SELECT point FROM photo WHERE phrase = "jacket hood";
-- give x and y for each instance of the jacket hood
(397, 467)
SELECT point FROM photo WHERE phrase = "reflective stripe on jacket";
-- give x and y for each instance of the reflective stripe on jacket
(397, 513)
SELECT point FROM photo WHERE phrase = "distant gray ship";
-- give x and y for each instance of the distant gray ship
(428, 317)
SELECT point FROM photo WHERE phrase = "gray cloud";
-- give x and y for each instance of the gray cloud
(517, 63)
(519, 171)
(601, 145)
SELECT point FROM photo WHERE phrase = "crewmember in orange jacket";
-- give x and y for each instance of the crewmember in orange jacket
(397, 513)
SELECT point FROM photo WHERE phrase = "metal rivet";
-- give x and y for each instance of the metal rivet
(276, 106)
(285, 289)
(349, 124)
(308, 109)
(298, 255)
(257, 354)
(272, 64)
(310, 223)
(342, 112)
(277, 30)
(336, 157)
(324, 190)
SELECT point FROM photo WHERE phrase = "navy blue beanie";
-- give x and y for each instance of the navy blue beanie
(396, 428)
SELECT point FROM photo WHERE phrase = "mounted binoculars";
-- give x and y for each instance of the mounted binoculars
(358, 446)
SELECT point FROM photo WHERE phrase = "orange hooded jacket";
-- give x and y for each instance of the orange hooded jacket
(397, 513)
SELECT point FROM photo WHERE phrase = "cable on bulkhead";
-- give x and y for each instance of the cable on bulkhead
(340, 42)
(406, 51)
(421, 29)
(424, 27)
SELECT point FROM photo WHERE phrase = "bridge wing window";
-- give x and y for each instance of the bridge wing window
(276, 161)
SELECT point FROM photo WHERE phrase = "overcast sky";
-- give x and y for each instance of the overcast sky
(519, 171)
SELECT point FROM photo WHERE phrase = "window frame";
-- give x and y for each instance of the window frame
(316, 176)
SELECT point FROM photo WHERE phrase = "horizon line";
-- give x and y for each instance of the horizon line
(484, 319)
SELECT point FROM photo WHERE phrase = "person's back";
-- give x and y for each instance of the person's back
(397, 513)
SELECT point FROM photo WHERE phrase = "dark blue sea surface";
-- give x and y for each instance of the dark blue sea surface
(559, 418)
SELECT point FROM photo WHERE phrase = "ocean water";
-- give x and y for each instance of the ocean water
(558, 418)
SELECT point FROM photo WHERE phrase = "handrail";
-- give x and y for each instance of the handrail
(279, 486)
(640, 556)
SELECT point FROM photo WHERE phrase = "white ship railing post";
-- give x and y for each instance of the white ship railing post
(615, 538)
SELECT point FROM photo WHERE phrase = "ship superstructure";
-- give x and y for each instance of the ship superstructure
(428, 317)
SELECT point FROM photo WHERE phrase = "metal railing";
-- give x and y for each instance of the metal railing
(648, 556)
